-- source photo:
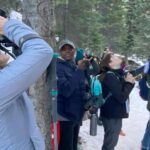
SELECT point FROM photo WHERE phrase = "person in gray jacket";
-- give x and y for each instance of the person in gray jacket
(18, 128)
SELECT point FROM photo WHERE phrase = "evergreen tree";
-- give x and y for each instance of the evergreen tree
(143, 31)
(112, 22)
(130, 26)
(80, 23)
(122, 25)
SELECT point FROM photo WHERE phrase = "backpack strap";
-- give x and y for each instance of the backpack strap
(109, 95)
(111, 72)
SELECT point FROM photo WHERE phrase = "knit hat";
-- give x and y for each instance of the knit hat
(79, 54)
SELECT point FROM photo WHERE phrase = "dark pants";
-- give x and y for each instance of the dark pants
(146, 138)
(68, 135)
(112, 128)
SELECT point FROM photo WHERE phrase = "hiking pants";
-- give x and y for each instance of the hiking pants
(68, 135)
(112, 128)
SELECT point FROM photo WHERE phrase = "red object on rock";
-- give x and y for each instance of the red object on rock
(52, 134)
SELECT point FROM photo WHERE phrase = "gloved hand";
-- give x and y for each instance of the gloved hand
(93, 110)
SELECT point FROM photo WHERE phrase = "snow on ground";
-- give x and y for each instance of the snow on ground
(134, 127)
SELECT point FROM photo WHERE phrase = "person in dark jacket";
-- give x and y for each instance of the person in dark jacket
(117, 89)
(146, 138)
(71, 93)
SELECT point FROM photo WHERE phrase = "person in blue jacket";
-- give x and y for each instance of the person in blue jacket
(71, 95)
(18, 127)
(146, 138)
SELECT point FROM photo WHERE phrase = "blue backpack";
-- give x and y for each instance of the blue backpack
(96, 87)
(96, 100)
(144, 88)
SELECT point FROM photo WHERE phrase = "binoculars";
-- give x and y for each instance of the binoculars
(3, 13)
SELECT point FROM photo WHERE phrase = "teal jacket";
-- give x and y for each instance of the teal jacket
(18, 128)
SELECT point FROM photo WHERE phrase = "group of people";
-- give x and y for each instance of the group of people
(18, 128)
(72, 85)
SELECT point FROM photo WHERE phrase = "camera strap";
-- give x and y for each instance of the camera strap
(26, 38)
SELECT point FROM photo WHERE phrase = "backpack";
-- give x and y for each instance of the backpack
(96, 100)
(96, 87)
(144, 88)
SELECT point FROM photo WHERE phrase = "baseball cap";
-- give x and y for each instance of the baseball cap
(66, 42)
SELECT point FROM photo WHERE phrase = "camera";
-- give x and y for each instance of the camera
(5, 42)
(3, 13)
(135, 72)
(86, 63)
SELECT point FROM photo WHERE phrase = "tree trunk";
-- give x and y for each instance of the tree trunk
(39, 14)
(7, 5)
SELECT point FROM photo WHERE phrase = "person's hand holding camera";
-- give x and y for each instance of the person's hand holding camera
(83, 64)
(2, 23)
(130, 78)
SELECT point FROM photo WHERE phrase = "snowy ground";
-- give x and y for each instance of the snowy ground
(134, 128)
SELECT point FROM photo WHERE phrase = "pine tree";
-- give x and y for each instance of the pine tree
(112, 22)
(80, 23)
(130, 26)
(143, 31)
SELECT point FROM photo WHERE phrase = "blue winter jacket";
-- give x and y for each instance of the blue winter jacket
(18, 128)
(71, 91)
